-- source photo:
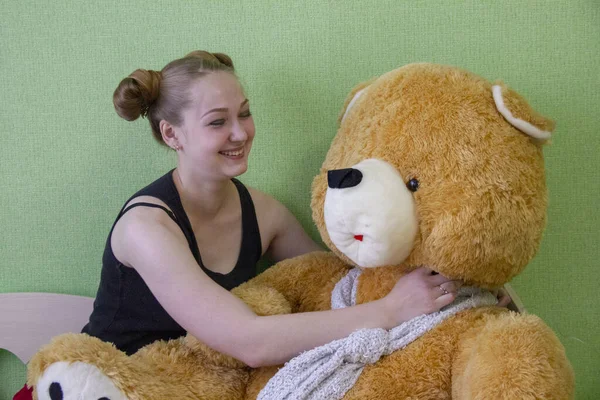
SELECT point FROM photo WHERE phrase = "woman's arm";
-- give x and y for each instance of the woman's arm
(147, 240)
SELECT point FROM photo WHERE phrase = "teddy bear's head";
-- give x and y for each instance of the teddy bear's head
(433, 165)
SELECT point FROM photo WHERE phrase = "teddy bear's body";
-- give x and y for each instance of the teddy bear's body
(471, 355)
(434, 166)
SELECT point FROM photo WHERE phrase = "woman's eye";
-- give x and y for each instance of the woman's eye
(218, 122)
(246, 114)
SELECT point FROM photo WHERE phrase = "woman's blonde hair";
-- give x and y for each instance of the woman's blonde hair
(164, 94)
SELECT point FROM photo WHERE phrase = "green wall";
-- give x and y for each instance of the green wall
(68, 162)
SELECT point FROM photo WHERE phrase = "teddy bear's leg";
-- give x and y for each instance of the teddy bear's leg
(295, 279)
(78, 366)
(514, 356)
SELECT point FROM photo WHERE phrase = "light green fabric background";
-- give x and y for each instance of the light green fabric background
(68, 162)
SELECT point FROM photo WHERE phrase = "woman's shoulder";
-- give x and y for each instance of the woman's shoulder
(264, 202)
(140, 227)
(257, 195)
(272, 214)
(145, 199)
(162, 189)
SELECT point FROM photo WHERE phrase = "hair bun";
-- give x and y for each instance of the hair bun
(222, 58)
(137, 93)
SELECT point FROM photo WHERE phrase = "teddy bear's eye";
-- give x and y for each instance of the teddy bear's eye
(413, 184)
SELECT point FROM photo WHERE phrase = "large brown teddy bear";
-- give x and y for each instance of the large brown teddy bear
(431, 165)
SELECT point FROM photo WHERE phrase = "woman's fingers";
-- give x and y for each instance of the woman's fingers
(444, 300)
(503, 298)
(437, 279)
(448, 287)
(424, 270)
(440, 283)
(452, 286)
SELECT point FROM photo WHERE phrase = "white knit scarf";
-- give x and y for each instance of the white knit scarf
(329, 371)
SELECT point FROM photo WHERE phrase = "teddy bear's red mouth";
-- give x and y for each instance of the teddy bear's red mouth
(358, 237)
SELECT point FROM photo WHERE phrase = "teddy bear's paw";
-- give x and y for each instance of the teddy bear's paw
(78, 380)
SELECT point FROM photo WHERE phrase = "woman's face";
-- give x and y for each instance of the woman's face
(217, 130)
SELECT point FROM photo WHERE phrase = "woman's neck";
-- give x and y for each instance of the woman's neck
(202, 198)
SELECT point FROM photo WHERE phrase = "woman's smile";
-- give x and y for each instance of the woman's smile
(234, 154)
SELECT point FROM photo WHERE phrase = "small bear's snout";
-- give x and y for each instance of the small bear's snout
(55, 391)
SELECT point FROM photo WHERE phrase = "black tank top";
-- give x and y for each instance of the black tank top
(125, 312)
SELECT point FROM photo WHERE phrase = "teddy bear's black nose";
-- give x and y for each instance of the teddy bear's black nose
(343, 178)
(55, 391)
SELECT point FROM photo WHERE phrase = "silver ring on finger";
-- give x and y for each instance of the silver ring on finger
(443, 289)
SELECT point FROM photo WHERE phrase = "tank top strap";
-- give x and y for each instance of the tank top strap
(151, 205)
(251, 234)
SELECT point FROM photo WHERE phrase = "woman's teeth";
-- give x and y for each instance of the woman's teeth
(233, 153)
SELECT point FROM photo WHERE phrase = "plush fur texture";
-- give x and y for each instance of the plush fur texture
(481, 207)
(177, 369)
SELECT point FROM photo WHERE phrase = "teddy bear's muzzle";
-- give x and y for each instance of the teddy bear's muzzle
(370, 214)
(77, 380)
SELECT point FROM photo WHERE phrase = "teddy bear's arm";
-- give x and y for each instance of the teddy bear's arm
(514, 356)
(305, 281)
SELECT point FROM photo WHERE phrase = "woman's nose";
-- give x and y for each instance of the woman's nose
(238, 133)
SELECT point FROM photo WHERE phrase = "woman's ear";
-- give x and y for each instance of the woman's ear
(169, 135)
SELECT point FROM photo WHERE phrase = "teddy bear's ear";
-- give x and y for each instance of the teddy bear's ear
(352, 97)
(517, 112)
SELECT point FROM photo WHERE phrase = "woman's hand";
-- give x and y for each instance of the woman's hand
(421, 291)
(503, 297)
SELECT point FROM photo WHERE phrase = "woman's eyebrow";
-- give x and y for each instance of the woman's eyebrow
(215, 110)
(225, 109)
